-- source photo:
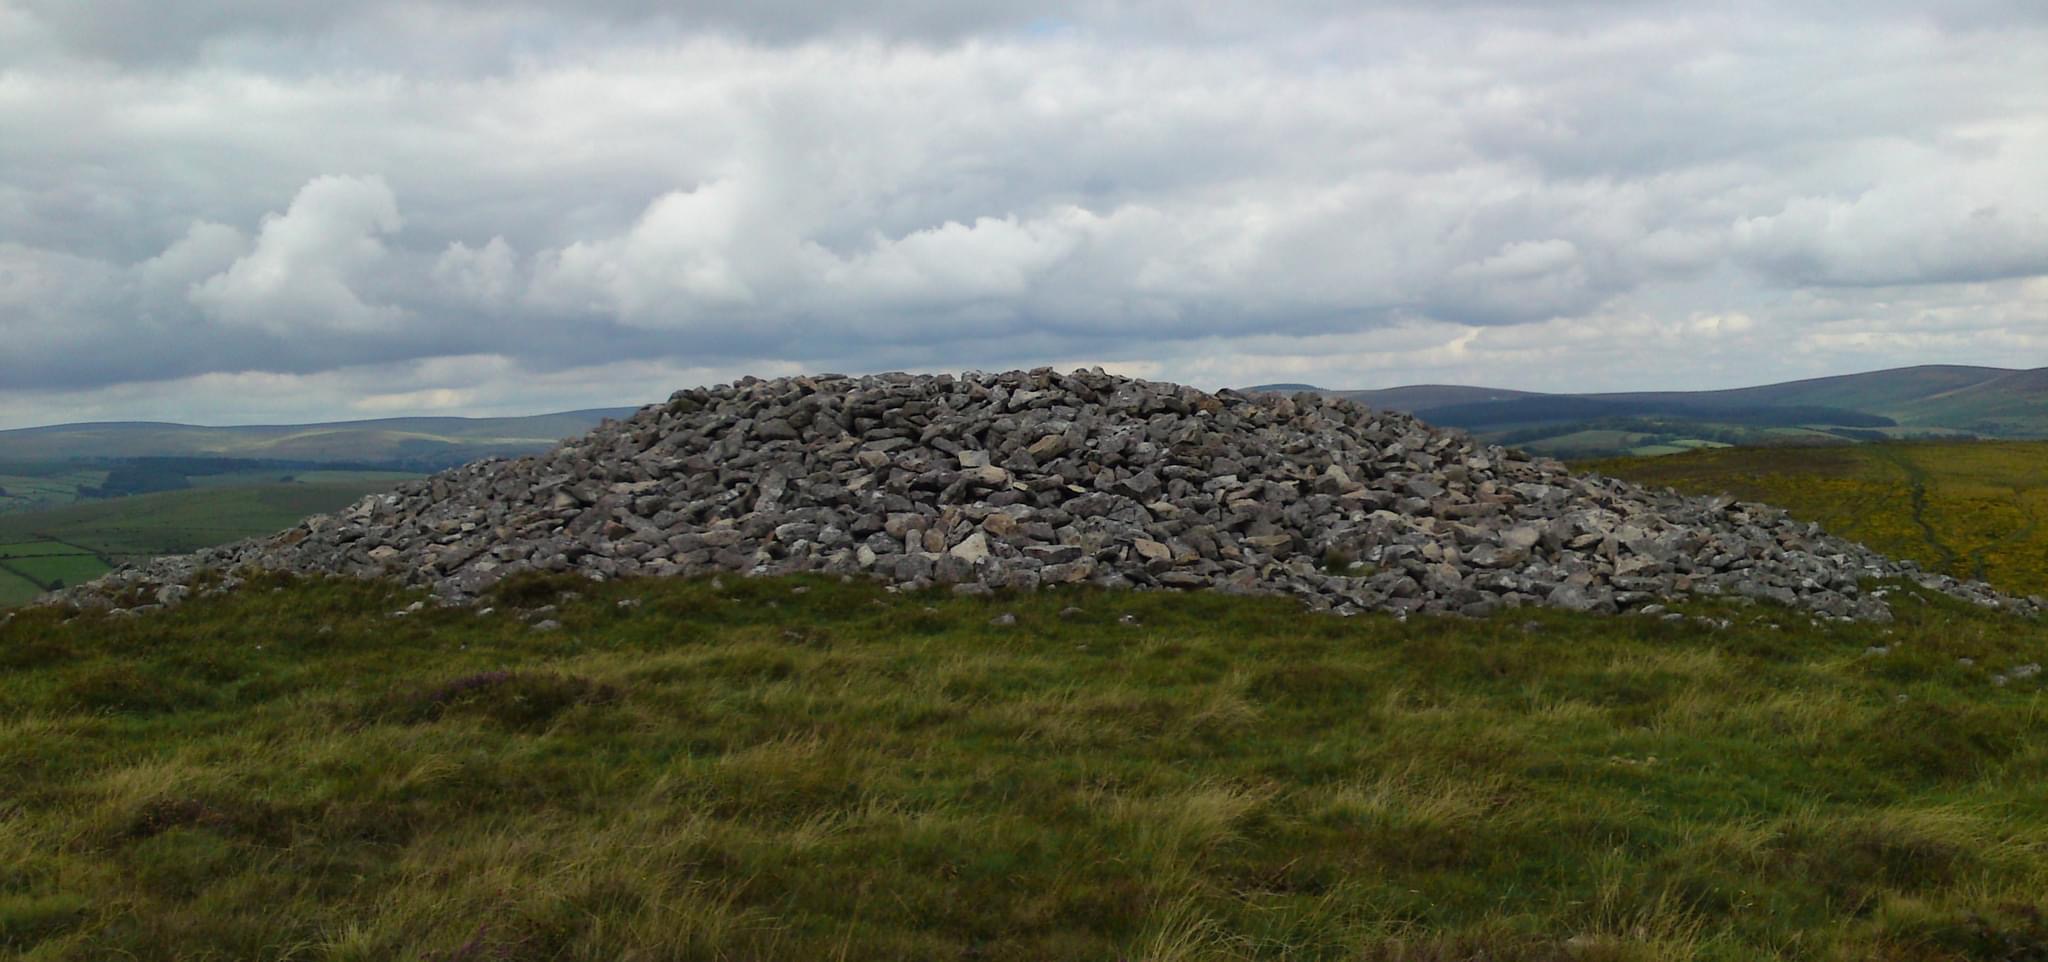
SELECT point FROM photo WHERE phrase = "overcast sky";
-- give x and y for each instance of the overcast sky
(235, 211)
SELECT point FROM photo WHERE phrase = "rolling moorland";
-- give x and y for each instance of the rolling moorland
(65, 513)
(435, 440)
(1930, 401)
(800, 768)
(68, 463)
(42, 550)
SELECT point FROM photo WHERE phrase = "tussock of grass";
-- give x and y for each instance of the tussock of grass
(752, 772)
(516, 700)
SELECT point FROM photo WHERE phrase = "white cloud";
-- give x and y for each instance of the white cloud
(990, 258)
(439, 399)
(299, 273)
(486, 275)
(689, 251)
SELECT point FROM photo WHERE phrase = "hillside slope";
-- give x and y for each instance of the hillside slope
(1929, 400)
(43, 550)
(388, 439)
(1877, 392)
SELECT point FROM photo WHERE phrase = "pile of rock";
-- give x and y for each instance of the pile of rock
(1036, 478)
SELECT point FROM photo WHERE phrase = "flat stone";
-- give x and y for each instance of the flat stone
(1048, 447)
(1153, 551)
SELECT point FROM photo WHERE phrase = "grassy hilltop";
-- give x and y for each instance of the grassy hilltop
(799, 769)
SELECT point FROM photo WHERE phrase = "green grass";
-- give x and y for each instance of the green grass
(28, 568)
(57, 570)
(15, 589)
(1976, 509)
(31, 486)
(801, 769)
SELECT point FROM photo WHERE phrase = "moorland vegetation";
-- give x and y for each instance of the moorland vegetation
(800, 768)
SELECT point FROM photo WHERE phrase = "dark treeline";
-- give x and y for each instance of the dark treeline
(132, 476)
(1660, 428)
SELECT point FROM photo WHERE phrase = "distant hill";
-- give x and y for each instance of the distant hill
(49, 467)
(426, 442)
(1933, 400)
(1283, 388)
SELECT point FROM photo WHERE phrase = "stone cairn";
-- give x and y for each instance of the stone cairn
(1030, 479)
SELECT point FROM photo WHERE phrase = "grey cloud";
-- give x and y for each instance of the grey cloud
(245, 190)
(158, 32)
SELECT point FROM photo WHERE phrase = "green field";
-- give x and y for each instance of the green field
(58, 570)
(28, 568)
(1976, 509)
(33, 487)
(1670, 436)
(178, 521)
(1587, 440)
(778, 769)
(68, 545)
(30, 487)
(37, 549)
(430, 442)
(15, 589)
(237, 478)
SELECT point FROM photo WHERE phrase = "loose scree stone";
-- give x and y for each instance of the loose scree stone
(1032, 479)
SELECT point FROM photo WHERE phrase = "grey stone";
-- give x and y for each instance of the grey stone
(971, 549)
